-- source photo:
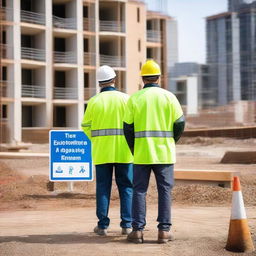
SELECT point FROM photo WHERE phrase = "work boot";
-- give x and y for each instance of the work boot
(100, 231)
(126, 231)
(135, 237)
(164, 236)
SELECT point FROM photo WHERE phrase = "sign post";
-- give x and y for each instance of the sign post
(70, 156)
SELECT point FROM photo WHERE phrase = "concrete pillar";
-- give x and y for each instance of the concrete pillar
(16, 128)
(236, 78)
(192, 95)
(49, 64)
(80, 61)
(222, 63)
(239, 112)
(97, 40)
(164, 55)
(125, 51)
(122, 46)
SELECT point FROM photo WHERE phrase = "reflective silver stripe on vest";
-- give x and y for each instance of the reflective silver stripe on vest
(107, 132)
(163, 134)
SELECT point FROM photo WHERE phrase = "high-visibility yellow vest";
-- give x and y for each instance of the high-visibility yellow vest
(103, 124)
(153, 112)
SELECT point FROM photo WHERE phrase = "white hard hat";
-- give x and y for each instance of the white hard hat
(105, 73)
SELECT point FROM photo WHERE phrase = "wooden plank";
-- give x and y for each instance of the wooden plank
(204, 175)
(19, 155)
(232, 132)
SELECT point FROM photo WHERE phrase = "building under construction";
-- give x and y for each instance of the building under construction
(231, 52)
(50, 50)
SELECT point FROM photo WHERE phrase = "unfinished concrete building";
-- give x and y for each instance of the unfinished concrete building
(50, 51)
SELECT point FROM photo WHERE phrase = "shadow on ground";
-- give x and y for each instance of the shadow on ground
(61, 195)
(69, 238)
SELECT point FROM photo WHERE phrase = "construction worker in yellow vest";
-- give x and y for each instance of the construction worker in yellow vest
(103, 124)
(153, 123)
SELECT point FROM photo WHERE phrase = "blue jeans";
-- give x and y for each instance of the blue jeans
(123, 176)
(164, 180)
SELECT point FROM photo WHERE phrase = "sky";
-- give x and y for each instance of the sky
(190, 15)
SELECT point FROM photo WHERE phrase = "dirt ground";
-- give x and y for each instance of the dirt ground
(34, 221)
(198, 231)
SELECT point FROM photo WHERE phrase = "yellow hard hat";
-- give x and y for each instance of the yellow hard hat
(150, 68)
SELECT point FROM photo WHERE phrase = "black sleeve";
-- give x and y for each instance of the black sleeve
(129, 135)
(178, 128)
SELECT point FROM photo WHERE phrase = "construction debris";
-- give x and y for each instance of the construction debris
(232, 157)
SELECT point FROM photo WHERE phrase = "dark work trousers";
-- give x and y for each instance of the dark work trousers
(164, 180)
(123, 175)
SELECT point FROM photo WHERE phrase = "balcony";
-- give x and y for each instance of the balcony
(64, 23)
(64, 93)
(154, 36)
(33, 91)
(32, 54)
(89, 92)
(4, 88)
(89, 58)
(32, 17)
(113, 61)
(6, 14)
(6, 51)
(65, 57)
(89, 24)
(112, 26)
(4, 121)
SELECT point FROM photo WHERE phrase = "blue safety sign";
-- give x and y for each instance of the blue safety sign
(70, 156)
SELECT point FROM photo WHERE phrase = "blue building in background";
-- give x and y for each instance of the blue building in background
(231, 52)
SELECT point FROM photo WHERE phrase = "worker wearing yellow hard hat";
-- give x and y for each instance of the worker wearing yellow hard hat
(150, 68)
(153, 123)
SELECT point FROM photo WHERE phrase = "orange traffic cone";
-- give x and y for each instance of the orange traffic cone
(239, 236)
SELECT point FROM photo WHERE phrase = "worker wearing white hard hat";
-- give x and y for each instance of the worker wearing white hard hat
(103, 124)
(105, 74)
